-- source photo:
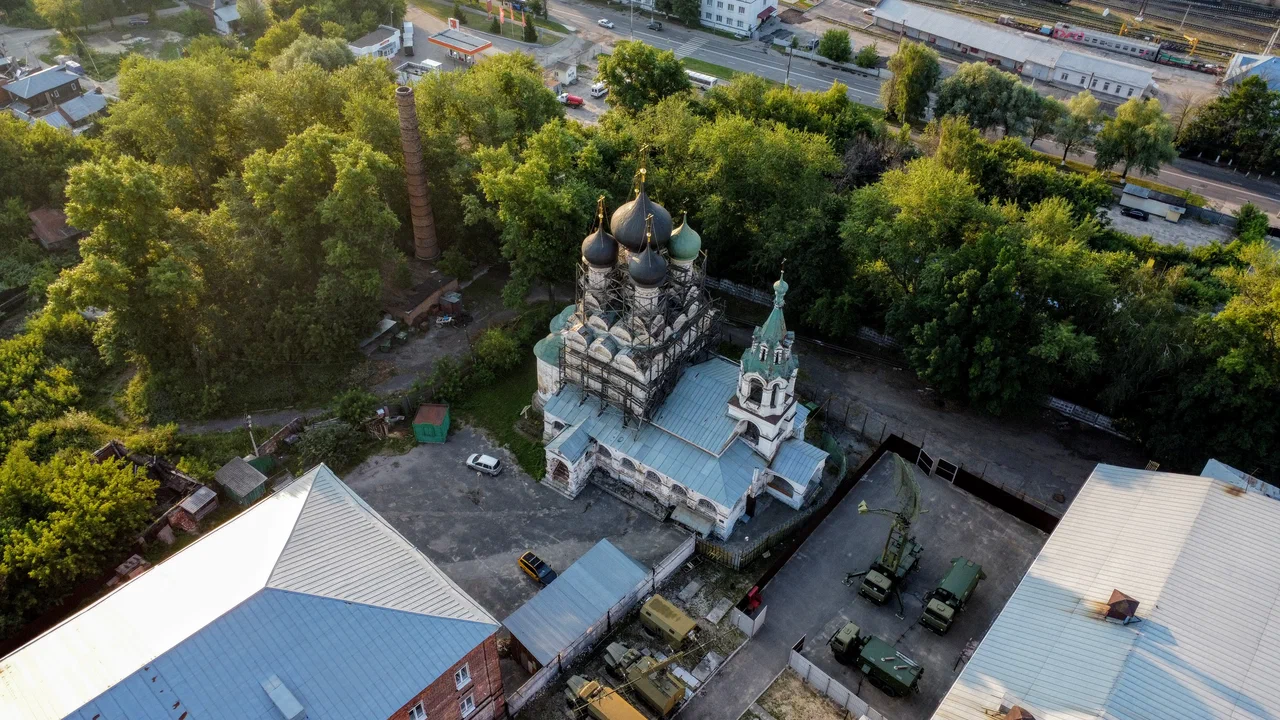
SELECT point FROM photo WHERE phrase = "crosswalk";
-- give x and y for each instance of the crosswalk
(690, 48)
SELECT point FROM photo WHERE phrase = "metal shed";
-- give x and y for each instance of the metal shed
(431, 424)
(575, 603)
(242, 481)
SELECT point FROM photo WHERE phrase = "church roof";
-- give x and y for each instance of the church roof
(676, 443)
(771, 335)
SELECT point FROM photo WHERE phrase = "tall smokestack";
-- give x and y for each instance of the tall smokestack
(425, 245)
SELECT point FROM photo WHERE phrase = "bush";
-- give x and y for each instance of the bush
(452, 261)
(355, 406)
(446, 380)
(459, 14)
(336, 444)
(530, 32)
(867, 57)
(497, 350)
(189, 23)
(495, 27)
(835, 46)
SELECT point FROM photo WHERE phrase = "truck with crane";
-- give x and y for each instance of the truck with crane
(901, 553)
(884, 667)
(601, 702)
(943, 602)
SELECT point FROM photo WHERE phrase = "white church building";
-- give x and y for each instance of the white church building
(630, 386)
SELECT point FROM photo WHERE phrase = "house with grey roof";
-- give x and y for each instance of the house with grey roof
(308, 604)
(242, 481)
(47, 87)
(633, 395)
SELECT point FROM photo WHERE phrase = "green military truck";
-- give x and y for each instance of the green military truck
(943, 602)
(900, 556)
(884, 667)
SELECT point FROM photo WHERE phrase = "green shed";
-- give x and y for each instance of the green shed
(431, 424)
(242, 481)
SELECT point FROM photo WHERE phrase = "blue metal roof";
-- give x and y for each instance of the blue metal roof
(82, 107)
(797, 461)
(571, 442)
(695, 409)
(577, 599)
(340, 659)
(36, 83)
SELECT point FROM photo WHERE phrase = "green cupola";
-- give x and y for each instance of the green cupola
(685, 243)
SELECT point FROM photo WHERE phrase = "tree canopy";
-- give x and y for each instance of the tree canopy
(1241, 126)
(835, 45)
(989, 98)
(1139, 136)
(916, 72)
(639, 74)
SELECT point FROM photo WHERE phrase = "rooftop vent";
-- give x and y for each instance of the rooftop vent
(1017, 713)
(285, 702)
(1121, 608)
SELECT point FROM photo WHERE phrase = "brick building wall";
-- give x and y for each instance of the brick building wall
(442, 700)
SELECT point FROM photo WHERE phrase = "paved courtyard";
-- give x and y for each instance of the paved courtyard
(808, 598)
(1188, 231)
(474, 526)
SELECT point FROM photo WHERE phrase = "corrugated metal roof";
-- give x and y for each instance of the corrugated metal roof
(36, 83)
(77, 109)
(1197, 553)
(695, 409)
(340, 660)
(572, 442)
(577, 599)
(276, 543)
(239, 477)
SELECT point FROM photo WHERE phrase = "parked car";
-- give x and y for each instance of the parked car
(485, 464)
(655, 25)
(605, 23)
(533, 566)
(570, 100)
(138, 22)
(599, 90)
(1135, 213)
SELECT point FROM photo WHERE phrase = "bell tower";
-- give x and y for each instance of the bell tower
(765, 401)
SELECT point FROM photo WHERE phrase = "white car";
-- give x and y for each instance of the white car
(605, 23)
(485, 464)
(599, 90)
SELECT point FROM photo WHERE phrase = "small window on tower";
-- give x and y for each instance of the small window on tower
(756, 392)
(773, 396)
(777, 356)
(764, 353)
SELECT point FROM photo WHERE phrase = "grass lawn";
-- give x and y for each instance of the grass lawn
(477, 22)
(718, 71)
(496, 408)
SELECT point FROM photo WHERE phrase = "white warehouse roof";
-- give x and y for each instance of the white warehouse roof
(1199, 556)
(1017, 46)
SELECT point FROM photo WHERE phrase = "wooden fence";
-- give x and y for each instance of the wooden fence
(596, 632)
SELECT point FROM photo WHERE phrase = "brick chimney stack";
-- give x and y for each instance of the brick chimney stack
(425, 245)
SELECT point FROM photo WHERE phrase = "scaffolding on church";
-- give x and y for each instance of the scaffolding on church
(683, 316)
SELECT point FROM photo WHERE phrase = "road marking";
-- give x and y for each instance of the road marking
(690, 48)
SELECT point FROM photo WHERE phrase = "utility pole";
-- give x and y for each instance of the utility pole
(1184, 17)
(632, 30)
(249, 418)
(1272, 42)
(787, 81)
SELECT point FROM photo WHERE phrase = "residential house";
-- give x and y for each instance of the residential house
(737, 17)
(51, 230)
(566, 73)
(307, 604)
(42, 90)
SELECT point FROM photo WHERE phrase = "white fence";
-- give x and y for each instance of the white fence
(746, 624)
(838, 693)
(592, 635)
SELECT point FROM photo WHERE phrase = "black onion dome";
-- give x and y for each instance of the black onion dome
(628, 222)
(600, 249)
(648, 268)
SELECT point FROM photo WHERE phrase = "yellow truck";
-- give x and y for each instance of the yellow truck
(667, 621)
(600, 701)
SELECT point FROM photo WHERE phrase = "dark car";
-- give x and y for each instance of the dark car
(655, 25)
(533, 566)
(138, 22)
(1135, 213)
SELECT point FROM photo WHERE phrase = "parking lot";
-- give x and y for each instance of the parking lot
(1188, 231)
(474, 526)
(808, 598)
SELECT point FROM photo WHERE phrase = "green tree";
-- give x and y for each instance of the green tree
(1140, 135)
(916, 72)
(459, 14)
(830, 113)
(64, 15)
(867, 57)
(1243, 126)
(496, 350)
(254, 19)
(530, 32)
(279, 37)
(1076, 129)
(688, 12)
(835, 46)
(638, 75)
(989, 97)
(495, 27)
(1251, 223)
(60, 523)
(329, 54)
(1045, 120)
(355, 406)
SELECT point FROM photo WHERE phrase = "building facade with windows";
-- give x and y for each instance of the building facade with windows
(634, 397)
(737, 17)
(307, 604)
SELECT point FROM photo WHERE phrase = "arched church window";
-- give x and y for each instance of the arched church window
(751, 434)
(755, 391)
(707, 506)
(628, 465)
(653, 478)
(777, 356)
(773, 396)
(603, 452)
(677, 489)
(764, 352)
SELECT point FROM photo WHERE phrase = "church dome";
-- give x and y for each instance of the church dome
(685, 242)
(600, 249)
(647, 268)
(628, 221)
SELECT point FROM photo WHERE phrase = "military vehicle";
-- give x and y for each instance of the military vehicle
(883, 666)
(667, 621)
(600, 701)
(943, 602)
(901, 552)
(648, 677)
